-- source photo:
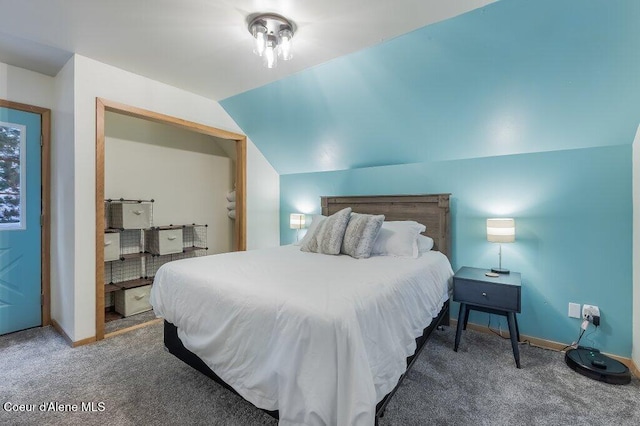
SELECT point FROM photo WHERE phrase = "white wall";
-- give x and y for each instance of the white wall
(94, 79)
(263, 197)
(27, 87)
(635, 346)
(63, 201)
(187, 174)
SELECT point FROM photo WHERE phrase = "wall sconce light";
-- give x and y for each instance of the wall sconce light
(272, 34)
(501, 231)
(297, 221)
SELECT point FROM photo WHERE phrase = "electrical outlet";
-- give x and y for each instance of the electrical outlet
(574, 310)
(590, 311)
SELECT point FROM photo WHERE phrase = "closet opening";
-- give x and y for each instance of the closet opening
(166, 189)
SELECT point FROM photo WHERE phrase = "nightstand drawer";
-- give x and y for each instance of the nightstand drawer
(496, 296)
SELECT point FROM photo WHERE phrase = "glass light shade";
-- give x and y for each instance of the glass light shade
(285, 44)
(501, 230)
(296, 221)
(260, 34)
(272, 34)
(270, 52)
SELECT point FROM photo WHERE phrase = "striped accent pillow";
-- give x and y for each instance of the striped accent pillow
(360, 235)
(327, 238)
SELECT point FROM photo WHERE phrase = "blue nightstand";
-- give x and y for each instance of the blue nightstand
(500, 295)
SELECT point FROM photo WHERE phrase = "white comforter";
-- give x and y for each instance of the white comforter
(321, 338)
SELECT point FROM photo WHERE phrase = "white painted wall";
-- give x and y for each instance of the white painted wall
(94, 79)
(263, 196)
(635, 346)
(63, 201)
(27, 87)
(187, 174)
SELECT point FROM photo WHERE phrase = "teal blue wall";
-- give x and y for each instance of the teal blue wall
(513, 77)
(521, 108)
(573, 219)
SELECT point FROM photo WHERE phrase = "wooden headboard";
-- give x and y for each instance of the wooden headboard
(432, 210)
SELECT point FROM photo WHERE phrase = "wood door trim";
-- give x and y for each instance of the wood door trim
(104, 105)
(45, 200)
(134, 327)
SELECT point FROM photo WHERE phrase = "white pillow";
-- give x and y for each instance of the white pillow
(316, 220)
(425, 243)
(398, 238)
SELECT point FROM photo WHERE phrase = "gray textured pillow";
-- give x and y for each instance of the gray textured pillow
(327, 238)
(316, 220)
(360, 235)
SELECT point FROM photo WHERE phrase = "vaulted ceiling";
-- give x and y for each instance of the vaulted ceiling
(202, 46)
(372, 82)
(513, 77)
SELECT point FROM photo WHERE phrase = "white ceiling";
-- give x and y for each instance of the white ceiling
(203, 46)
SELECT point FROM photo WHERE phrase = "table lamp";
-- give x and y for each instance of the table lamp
(501, 231)
(297, 222)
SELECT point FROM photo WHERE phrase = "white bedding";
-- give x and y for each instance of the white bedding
(321, 338)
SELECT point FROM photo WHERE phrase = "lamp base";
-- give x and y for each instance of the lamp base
(500, 270)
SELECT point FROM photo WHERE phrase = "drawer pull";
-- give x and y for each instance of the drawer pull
(171, 238)
(137, 212)
(107, 243)
(484, 294)
(139, 297)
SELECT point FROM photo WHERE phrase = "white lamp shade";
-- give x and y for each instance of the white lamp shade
(501, 230)
(296, 221)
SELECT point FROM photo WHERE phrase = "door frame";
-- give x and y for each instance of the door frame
(104, 105)
(45, 200)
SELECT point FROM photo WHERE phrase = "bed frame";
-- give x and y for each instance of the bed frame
(432, 210)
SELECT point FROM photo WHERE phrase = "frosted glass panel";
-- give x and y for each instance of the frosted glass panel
(12, 175)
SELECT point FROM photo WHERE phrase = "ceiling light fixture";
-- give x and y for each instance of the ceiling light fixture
(272, 34)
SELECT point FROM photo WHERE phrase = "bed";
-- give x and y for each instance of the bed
(311, 338)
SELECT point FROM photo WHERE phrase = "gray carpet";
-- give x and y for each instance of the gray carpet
(141, 384)
(130, 321)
